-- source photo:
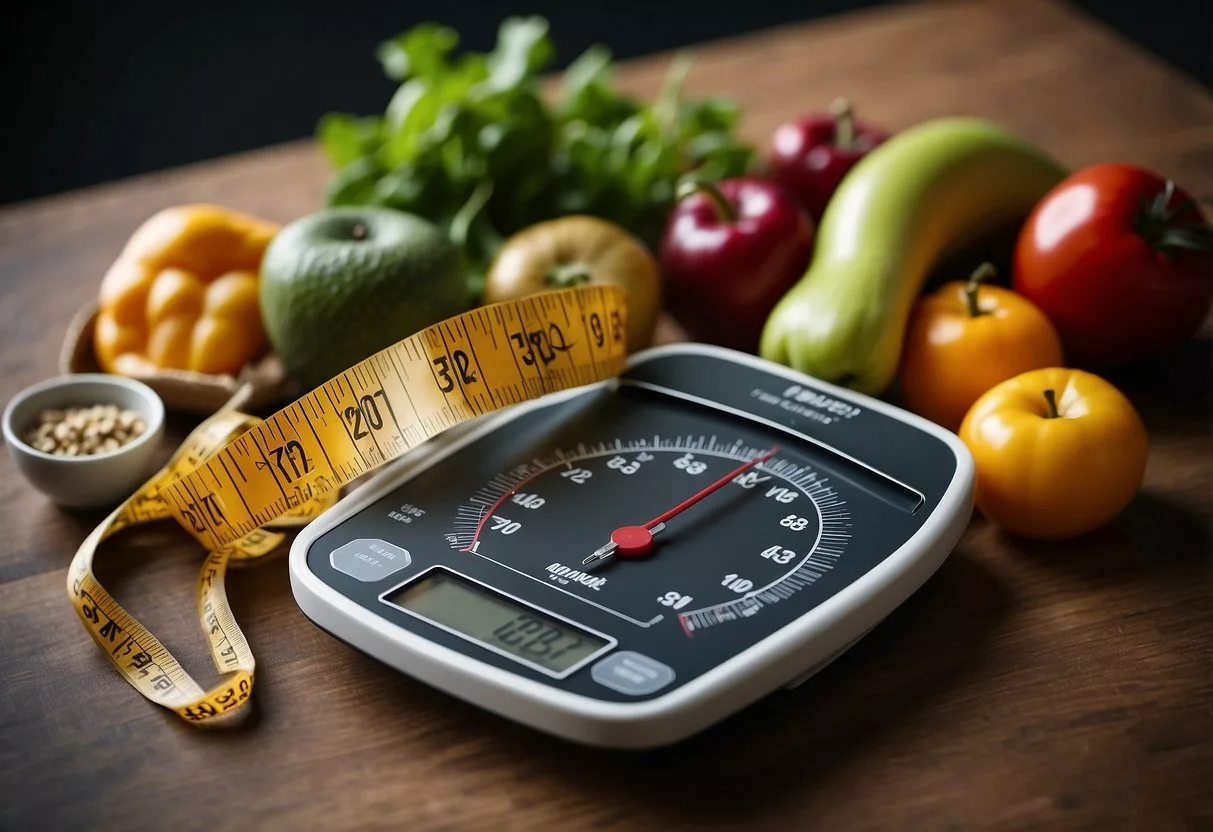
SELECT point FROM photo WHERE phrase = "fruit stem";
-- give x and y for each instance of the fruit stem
(1051, 402)
(844, 123)
(725, 212)
(982, 273)
(1157, 223)
(358, 232)
(567, 275)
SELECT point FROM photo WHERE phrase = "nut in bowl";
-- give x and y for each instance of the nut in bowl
(86, 440)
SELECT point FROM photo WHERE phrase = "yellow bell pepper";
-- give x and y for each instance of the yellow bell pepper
(183, 294)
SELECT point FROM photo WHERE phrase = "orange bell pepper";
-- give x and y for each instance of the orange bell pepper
(183, 294)
(963, 339)
(1058, 453)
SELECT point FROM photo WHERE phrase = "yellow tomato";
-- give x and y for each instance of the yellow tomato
(963, 339)
(1059, 453)
(183, 294)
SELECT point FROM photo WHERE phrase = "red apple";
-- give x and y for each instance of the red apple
(811, 155)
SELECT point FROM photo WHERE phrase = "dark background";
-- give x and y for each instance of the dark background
(93, 90)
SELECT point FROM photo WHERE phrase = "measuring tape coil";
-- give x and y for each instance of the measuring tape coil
(240, 484)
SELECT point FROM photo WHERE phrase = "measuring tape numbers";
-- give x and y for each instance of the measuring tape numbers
(239, 483)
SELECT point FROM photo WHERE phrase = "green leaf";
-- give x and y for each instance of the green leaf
(464, 168)
(412, 111)
(354, 184)
(709, 114)
(666, 108)
(717, 155)
(417, 188)
(481, 242)
(410, 97)
(460, 82)
(345, 138)
(588, 94)
(590, 72)
(647, 167)
(588, 151)
(461, 223)
(421, 114)
(421, 51)
(523, 49)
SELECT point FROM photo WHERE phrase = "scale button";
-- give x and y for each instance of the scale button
(369, 559)
(632, 673)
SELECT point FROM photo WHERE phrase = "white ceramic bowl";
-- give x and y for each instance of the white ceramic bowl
(95, 481)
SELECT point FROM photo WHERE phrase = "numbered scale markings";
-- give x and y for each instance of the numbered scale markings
(807, 522)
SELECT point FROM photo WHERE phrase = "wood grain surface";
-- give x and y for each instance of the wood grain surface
(1025, 686)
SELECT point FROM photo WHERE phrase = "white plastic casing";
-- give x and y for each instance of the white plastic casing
(785, 657)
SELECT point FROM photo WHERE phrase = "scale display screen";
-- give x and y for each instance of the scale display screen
(490, 619)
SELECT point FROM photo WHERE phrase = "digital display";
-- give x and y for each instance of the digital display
(495, 621)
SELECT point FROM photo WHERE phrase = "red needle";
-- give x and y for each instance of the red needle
(636, 541)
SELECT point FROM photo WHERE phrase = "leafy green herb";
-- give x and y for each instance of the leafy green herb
(468, 141)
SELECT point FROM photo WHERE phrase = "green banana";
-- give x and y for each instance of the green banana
(914, 199)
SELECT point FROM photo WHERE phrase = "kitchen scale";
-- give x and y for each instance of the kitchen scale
(627, 563)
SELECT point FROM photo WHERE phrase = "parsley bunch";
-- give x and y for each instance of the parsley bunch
(470, 142)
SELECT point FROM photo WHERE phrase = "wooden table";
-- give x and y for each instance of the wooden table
(1025, 685)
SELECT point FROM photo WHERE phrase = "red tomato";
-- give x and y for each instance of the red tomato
(1120, 261)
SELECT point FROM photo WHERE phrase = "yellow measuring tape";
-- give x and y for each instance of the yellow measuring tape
(237, 481)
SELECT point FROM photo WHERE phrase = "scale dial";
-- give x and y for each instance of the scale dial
(466, 565)
(782, 522)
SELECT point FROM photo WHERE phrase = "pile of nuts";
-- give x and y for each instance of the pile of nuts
(84, 431)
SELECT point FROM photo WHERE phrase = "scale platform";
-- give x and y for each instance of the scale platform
(803, 514)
